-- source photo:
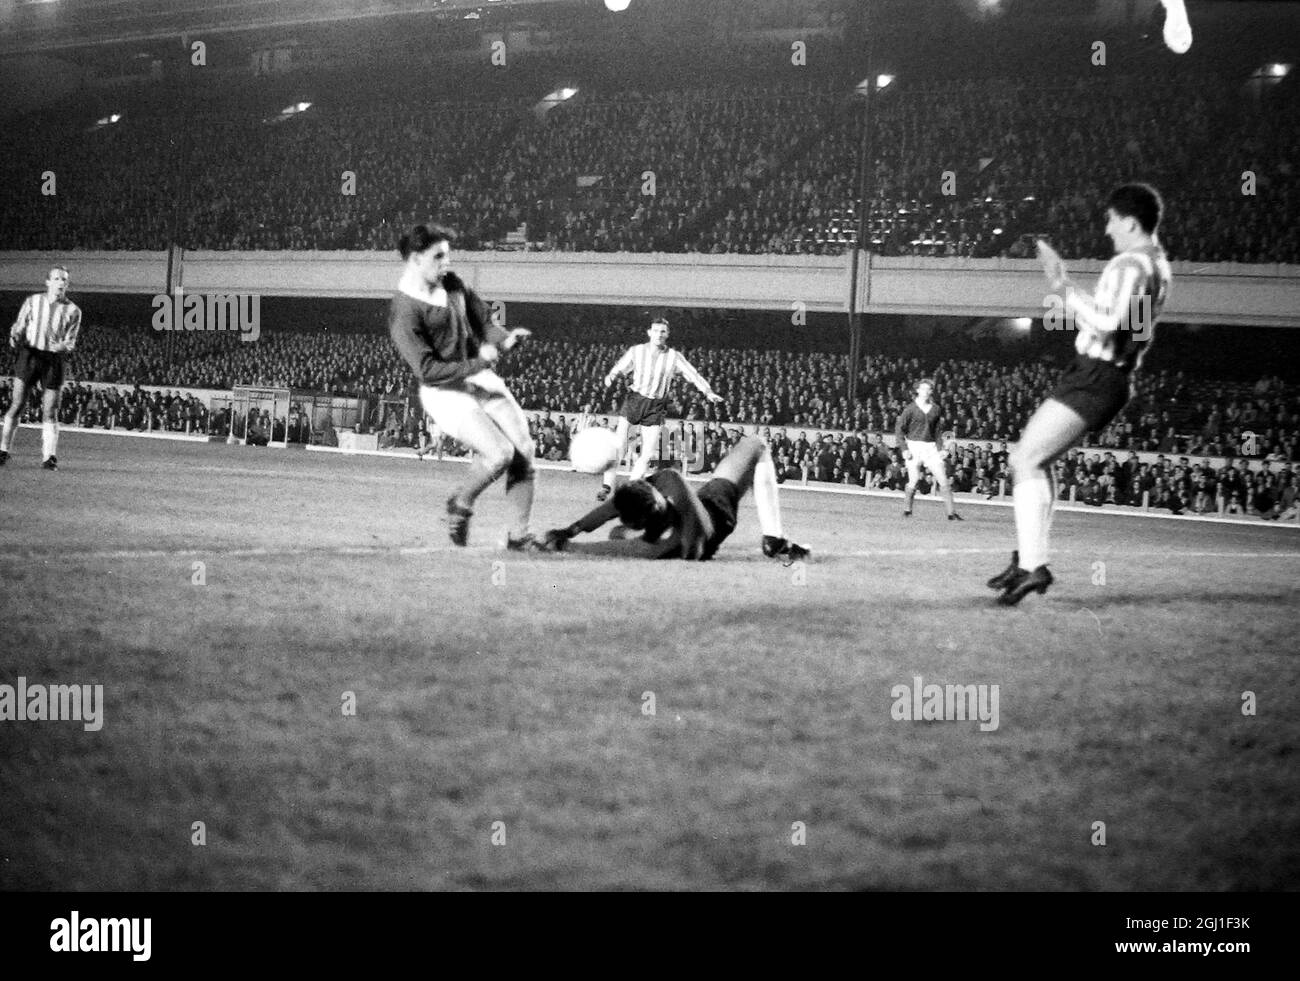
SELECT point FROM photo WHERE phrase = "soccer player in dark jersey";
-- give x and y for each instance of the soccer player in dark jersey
(918, 431)
(1114, 328)
(445, 332)
(46, 330)
(678, 522)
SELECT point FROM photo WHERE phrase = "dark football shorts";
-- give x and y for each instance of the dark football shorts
(1097, 390)
(33, 365)
(720, 498)
(641, 411)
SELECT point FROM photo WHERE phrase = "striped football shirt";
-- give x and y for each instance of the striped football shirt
(46, 325)
(1117, 323)
(653, 370)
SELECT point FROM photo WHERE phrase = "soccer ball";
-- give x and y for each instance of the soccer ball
(594, 450)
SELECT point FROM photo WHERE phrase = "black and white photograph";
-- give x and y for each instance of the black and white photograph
(652, 446)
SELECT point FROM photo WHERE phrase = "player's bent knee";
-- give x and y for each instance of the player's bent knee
(498, 460)
(1024, 463)
(521, 468)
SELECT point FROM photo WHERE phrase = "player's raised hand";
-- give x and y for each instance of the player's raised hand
(489, 353)
(714, 397)
(515, 336)
(1053, 264)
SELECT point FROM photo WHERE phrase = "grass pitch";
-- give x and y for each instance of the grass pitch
(502, 736)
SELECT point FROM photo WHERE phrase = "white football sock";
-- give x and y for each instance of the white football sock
(49, 439)
(7, 436)
(765, 497)
(649, 450)
(1032, 499)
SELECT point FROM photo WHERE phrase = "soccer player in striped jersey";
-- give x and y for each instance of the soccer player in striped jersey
(654, 365)
(677, 522)
(444, 331)
(1114, 328)
(918, 431)
(47, 328)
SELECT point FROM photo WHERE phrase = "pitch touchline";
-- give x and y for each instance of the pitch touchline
(934, 552)
(870, 553)
(243, 553)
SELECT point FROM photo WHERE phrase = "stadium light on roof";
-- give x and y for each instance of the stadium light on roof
(560, 95)
(288, 112)
(881, 82)
(109, 120)
(1278, 70)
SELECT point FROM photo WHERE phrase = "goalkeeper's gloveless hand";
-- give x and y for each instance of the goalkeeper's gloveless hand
(557, 539)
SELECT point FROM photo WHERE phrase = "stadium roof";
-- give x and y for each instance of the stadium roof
(51, 25)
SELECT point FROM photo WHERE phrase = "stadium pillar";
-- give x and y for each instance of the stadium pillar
(180, 168)
(860, 244)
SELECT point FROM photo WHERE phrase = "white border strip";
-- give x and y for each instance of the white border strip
(151, 434)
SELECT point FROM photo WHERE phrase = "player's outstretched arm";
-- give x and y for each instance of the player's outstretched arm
(1105, 310)
(696, 528)
(900, 431)
(514, 337)
(20, 325)
(593, 519)
(623, 366)
(695, 378)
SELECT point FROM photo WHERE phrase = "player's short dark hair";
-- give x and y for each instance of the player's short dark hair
(635, 501)
(924, 381)
(422, 237)
(661, 319)
(1140, 201)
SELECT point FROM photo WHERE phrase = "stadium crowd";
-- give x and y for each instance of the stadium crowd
(972, 167)
(1173, 412)
(797, 400)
